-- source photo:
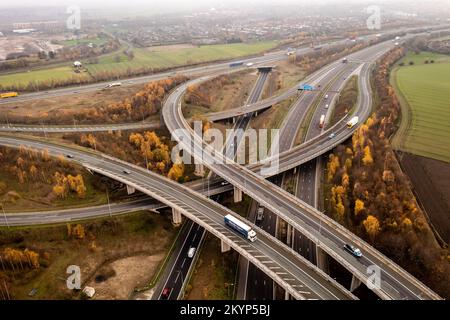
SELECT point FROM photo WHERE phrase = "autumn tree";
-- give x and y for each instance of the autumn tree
(176, 172)
(359, 206)
(372, 226)
(367, 159)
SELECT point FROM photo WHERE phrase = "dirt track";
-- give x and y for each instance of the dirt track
(431, 184)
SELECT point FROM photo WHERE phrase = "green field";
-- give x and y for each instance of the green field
(424, 90)
(56, 73)
(176, 57)
(419, 59)
(167, 57)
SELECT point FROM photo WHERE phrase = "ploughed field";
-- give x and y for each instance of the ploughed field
(431, 184)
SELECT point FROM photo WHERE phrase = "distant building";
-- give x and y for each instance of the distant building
(24, 31)
(77, 64)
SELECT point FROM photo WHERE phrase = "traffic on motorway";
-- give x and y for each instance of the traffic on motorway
(301, 275)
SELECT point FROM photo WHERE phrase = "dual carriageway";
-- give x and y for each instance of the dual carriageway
(284, 265)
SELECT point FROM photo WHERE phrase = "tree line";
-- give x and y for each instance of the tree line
(144, 103)
(78, 79)
(367, 191)
(145, 149)
(206, 93)
(33, 169)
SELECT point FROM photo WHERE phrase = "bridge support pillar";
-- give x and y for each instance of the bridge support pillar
(292, 237)
(256, 114)
(274, 291)
(199, 170)
(233, 121)
(176, 217)
(237, 195)
(277, 222)
(321, 258)
(130, 190)
(289, 235)
(355, 283)
(287, 295)
(224, 247)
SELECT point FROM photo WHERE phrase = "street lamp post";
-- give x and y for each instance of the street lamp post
(7, 120)
(4, 214)
(109, 204)
(228, 288)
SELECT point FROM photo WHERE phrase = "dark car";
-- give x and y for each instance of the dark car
(354, 251)
(165, 294)
(126, 171)
(70, 156)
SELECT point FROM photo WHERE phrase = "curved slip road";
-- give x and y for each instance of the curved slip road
(396, 283)
(299, 277)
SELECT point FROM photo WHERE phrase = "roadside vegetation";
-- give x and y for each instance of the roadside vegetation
(224, 92)
(346, 101)
(313, 61)
(141, 105)
(284, 76)
(146, 149)
(115, 255)
(368, 193)
(214, 274)
(36, 109)
(273, 117)
(32, 180)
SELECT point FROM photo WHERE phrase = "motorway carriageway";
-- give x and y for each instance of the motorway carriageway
(290, 270)
(396, 282)
(180, 267)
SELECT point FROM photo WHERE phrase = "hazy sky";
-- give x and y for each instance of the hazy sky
(159, 3)
(182, 5)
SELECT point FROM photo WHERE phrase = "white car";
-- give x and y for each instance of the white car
(326, 106)
(115, 84)
(191, 252)
(353, 250)
(260, 214)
